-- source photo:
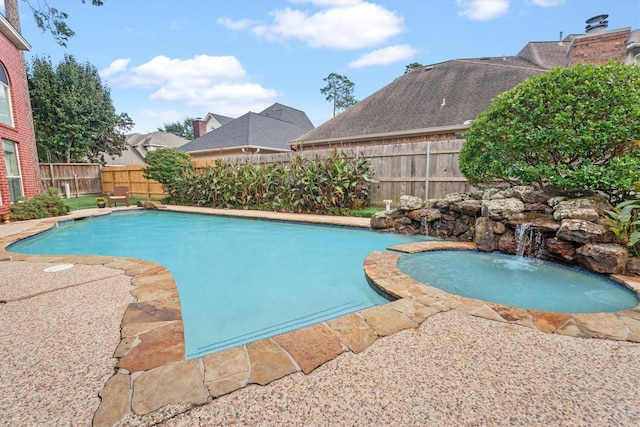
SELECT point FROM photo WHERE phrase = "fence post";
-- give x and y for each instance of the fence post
(427, 173)
(53, 179)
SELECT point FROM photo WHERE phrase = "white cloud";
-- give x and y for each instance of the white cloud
(342, 25)
(335, 3)
(483, 10)
(117, 66)
(160, 116)
(384, 56)
(215, 83)
(547, 3)
(239, 24)
(148, 120)
(200, 68)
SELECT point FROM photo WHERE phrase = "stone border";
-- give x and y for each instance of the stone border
(381, 269)
(151, 372)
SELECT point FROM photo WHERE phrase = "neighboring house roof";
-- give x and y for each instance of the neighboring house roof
(222, 120)
(214, 121)
(272, 128)
(439, 96)
(547, 55)
(140, 144)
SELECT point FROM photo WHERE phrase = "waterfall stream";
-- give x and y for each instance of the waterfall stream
(528, 239)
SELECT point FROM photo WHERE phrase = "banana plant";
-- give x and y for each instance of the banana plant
(625, 222)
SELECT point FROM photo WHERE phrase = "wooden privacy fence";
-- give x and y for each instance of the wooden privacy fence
(425, 169)
(131, 176)
(79, 179)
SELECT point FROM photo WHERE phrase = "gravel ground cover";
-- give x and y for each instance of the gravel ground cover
(455, 370)
(57, 346)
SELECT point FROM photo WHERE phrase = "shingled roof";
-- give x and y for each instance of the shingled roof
(442, 95)
(140, 144)
(272, 128)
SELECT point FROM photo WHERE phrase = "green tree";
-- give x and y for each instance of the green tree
(183, 129)
(339, 90)
(577, 128)
(166, 164)
(412, 66)
(49, 18)
(74, 117)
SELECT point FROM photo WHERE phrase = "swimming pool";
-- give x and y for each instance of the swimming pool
(518, 281)
(239, 280)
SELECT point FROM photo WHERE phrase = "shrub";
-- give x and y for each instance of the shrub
(165, 165)
(577, 128)
(40, 206)
(304, 185)
(625, 221)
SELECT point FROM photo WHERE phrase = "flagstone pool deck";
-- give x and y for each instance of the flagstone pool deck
(151, 372)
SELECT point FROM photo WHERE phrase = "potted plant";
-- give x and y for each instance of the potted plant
(101, 201)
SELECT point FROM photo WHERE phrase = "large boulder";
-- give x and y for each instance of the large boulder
(382, 220)
(561, 249)
(585, 214)
(428, 215)
(542, 222)
(499, 209)
(409, 203)
(602, 258)
(457, 197)
(597, 203)
(519, 191)
(507, 243)
(577, 230)
(468, 207)
(485, 237)
(633, 266)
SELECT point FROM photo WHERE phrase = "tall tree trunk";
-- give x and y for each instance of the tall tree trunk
(13, 16)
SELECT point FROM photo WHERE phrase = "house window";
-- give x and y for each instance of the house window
(13, 170)
(6, 116)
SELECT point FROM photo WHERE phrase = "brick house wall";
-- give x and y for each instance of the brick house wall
(21, 133)
(599, 48)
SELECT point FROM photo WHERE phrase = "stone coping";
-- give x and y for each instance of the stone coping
(151, 372)
(381, 269)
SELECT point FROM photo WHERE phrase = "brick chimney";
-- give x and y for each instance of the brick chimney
(199, 128)
(598, 45)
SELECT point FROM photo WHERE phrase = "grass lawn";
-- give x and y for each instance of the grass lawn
(86, 202)
(367, 212)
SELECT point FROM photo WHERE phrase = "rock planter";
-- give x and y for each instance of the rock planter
(561, 227)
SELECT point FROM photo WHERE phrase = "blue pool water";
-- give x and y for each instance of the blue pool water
(239, 280)
(517, 281)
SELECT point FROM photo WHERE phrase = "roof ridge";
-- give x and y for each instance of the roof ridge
(478, 61)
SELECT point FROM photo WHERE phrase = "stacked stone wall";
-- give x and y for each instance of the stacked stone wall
(564, 227)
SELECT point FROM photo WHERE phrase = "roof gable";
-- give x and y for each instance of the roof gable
(289, 115)
(546, 55)
(138, 145)
(273, 128)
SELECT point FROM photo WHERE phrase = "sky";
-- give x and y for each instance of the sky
(165, 60)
